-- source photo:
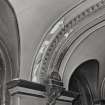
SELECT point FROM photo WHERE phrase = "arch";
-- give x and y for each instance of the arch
(90, 71)
(9, 35)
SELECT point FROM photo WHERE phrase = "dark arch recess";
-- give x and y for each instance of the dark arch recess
(88, 72)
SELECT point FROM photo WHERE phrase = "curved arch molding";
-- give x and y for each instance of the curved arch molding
(62, 36)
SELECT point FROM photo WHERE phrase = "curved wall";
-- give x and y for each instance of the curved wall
(9, 35)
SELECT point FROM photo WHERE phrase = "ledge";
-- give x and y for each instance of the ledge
(23, 87)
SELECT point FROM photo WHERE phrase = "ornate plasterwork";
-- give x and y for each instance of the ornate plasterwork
(60, 34)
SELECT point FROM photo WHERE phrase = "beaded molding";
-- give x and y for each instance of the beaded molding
(62, 32)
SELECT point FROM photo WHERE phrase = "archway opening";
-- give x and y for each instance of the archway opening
(85, 81)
